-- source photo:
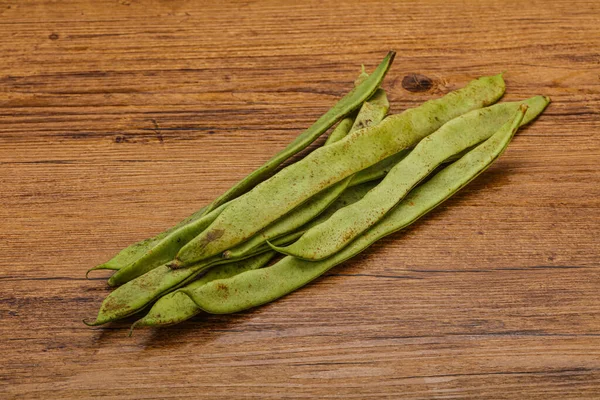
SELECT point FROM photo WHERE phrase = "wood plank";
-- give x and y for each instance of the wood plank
(119, 118)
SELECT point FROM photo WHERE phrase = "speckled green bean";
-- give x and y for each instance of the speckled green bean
(143, 256)
(342, 108)
(378, 170)
(163, 250)
(176, 307)
(454, 137)
(327, 165)
(137, 250)
(136, 294)
(372, 112)
(349, 196)
(254, 288)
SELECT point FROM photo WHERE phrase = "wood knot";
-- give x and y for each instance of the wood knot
(417, 83)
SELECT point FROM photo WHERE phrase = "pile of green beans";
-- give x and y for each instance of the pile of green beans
(273, 233)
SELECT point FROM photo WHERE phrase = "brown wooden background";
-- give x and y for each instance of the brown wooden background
(119, 118)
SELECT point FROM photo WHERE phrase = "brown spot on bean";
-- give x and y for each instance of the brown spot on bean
(417, 83)
(224, 289)
(53, 36)
(214, 235)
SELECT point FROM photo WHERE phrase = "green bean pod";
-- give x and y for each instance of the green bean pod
(349, 196)
(346, 105)
(454, 137)
(132, 302)
(138, 293)
(140, 257)
(379, 170)
(371, 112)
(289, 222)
(137, 250)
(327, 165)
(176, 307)
(163, 250)
(254, 288)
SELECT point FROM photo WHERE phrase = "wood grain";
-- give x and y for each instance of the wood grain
(119, 118)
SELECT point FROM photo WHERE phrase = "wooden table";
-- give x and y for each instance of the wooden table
(119, 118)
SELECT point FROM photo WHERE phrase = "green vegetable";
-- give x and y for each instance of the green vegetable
(371, 113)
(176, 307)
(138, 293)
(378, 170)
(327, 165)
(454, 137)
(143, 256)
(353, 100)
(253, 288)
(163, 250)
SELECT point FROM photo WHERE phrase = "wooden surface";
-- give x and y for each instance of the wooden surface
(120, 118)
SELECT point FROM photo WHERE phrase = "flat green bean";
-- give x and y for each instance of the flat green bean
(371, 113)
(163, 250)
(142, 256)
(327, 165)
(253, 288)
(137, 250)
(349, 196)
(454, 137)
(138, 293)
(342, 108)
(292, 220)
(379, 170)
(341, 130)
(176, 307)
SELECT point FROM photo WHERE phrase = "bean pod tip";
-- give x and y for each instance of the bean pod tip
(95, 323)
(138, 323)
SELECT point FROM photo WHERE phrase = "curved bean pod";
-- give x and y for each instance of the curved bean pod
(341, 130)
(378, 170)
(176, 307)
(134, 252)
(254, 288)
(381, 169)
(342, 108)
(371, 113)
(163, 250)
(349, 196)
(454, 137)
(292, 220)
(136, 294)
(140, 257)
(298, 182)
